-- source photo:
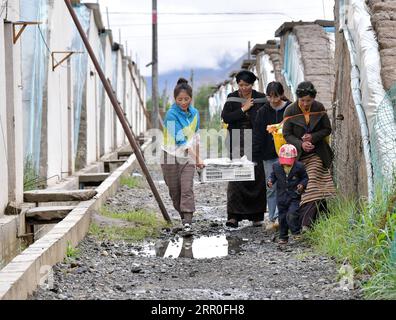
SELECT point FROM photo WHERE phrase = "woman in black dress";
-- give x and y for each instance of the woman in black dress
(245, 199)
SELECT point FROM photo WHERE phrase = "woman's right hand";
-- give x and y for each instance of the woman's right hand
(200, 164)
(247, 105)
(307, 146)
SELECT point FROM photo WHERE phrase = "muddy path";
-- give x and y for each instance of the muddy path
(215, 263)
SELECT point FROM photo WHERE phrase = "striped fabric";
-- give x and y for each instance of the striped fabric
(320, 184)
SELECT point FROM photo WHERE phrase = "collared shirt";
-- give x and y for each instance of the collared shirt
(305, 113)
(181, 130)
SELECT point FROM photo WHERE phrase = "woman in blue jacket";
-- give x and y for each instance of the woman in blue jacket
(181, 151)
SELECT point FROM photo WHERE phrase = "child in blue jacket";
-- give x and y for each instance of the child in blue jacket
(292, 180)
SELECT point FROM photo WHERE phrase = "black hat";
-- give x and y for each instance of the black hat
(306, 88)
(246, 76)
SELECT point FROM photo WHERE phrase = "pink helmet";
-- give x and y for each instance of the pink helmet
(287, 154)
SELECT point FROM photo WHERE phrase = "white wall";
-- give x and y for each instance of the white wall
(138, 107)
(3, 126)
(134, 101)
(143, 90)
(60, 38)
(256, 83)
(130, 98)
(109, 111)
(92, 97)
(15, 116)
(120, 93)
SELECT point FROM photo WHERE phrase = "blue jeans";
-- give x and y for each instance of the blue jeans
(271, 193)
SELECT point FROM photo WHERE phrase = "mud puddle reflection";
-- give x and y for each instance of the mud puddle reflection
(202, 247)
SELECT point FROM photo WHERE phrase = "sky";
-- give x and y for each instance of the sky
(203, 33)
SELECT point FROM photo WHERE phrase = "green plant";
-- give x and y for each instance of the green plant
(72, 252)
(383, 284)
(30, 176)
(131, 182)
(360, 234)
(143, 224)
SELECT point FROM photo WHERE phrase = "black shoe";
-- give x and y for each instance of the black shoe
(232, 223)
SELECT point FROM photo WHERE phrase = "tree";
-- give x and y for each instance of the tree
(201, 102)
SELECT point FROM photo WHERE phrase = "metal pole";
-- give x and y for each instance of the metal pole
(154, 78)
(118, 110)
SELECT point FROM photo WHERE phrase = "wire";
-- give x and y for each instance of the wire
(42, 37)
(202, 13)
(185, 23)
(199, 35)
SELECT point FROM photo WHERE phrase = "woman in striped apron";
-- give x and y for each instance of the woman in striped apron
(307, 127)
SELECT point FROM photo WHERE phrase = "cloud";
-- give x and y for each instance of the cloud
(192, 41)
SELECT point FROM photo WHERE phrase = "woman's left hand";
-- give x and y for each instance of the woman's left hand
(307, 137)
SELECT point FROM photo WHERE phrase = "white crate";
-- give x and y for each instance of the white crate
(228, 173)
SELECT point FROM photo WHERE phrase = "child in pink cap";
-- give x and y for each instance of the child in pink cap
(292, 180)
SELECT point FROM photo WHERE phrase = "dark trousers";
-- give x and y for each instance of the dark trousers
(311, 210)
(288, 217)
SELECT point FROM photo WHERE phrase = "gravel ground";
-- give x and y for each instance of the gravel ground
(216, 263)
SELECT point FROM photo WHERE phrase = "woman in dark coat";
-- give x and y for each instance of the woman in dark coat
(245, 199)
(263, 142)
(307, 128)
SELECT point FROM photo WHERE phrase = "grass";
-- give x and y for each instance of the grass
(71, 252)
(361, 235)
(145, 224)
(131, 182)
(30, 176)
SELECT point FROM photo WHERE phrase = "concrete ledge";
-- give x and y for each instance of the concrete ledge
(9, 242)
(25, 272)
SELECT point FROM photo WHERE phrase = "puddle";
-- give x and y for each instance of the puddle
(204, 247)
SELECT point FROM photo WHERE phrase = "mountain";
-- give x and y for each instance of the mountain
(202, 76)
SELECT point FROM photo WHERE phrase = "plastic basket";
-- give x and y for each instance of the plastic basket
(219, 173)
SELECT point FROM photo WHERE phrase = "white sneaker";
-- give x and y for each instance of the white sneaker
(187, 227)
